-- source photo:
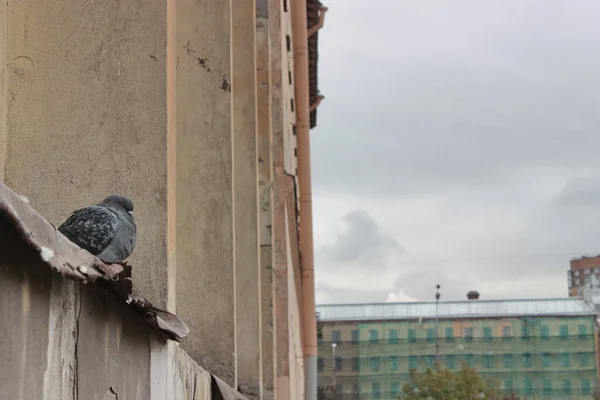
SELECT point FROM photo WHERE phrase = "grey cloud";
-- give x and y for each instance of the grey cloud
(421, 285)
(434, 106)
(339, 295)
(479, 109)
(581, 191)
(362, 241)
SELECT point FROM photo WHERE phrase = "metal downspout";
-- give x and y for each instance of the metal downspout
(302, 94)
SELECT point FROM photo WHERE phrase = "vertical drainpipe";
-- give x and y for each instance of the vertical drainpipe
(301, 76)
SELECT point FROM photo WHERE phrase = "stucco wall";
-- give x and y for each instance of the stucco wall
(89, 108)
(205, 247)
(245, 189)
(87, 117)
(265, 172)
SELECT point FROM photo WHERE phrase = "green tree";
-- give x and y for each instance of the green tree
(443, 384)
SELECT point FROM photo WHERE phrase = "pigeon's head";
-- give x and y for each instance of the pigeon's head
(119, 202)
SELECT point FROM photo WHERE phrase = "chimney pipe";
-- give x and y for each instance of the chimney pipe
(473, 295)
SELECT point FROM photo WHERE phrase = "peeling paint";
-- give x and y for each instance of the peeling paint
(60, 356)
(46, 253)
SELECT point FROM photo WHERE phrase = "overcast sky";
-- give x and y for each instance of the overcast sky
(459, 144)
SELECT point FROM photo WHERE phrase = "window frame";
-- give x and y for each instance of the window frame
(335, 333)
(376, 390)
(373, 336)
(355, 364)
(506, 328)
(375, 364)
(468, 334)
(354, 336)
(339, 364)
(545, 332)
(412, 335)
(488, 362)
(546, 360)
(563, 331)
(487, 334)
(586, 386)
(430, 332)
(393, 338)
(451, 362)
(394, 366)
(582, 331)
(413, 360)
(449, 334)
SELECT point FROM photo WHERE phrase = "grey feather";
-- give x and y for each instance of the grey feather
(106, 230)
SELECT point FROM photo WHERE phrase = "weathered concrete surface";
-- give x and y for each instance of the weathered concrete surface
(176, 376)
(87, 115)
(282, 186)
(62, 341)
(205, 274)
(245, 200)
(281, 183)
(65, 341)
(24, 295)
(113, 348)
(265, 165)
(61, 373)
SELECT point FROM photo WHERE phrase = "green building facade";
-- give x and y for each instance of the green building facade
(543, 355)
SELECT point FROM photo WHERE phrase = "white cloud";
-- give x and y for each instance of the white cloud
(398, 297)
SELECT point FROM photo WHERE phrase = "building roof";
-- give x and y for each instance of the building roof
(455, 309)
(312, 14)
(72, 262)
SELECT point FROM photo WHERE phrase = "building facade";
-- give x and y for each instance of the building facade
(199, 111)
(536, 349)
(580, 271)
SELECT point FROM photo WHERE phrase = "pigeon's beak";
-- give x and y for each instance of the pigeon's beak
(130, 212)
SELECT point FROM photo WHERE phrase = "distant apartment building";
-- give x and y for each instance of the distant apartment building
(581, 270)
(537, 349)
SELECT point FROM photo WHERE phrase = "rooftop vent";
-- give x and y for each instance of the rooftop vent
(473, 295)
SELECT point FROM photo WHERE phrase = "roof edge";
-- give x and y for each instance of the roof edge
(72, 262)
(446, 302)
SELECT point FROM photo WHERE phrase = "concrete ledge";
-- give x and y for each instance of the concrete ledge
(67, 340)
(73, 262)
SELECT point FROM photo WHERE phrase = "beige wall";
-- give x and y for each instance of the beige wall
(205, 272)
(193, 121)
(82, 120)
(265, 173)
(245, 188)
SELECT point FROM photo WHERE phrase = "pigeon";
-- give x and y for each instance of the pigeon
(106, 230)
